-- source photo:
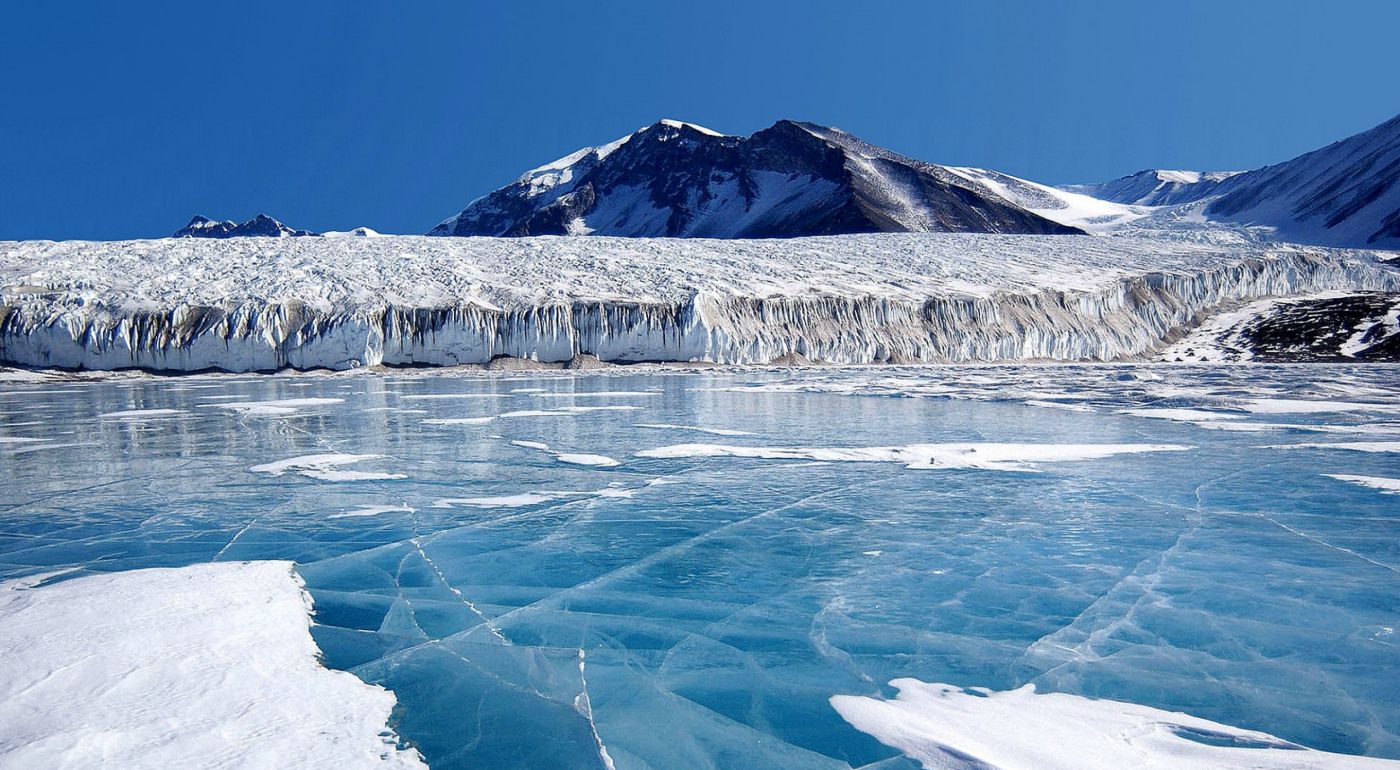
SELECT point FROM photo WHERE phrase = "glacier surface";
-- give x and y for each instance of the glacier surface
(256, 304)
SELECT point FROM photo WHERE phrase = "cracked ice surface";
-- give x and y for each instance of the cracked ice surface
(702, 608)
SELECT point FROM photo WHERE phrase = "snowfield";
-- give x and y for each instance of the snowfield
(256, 304)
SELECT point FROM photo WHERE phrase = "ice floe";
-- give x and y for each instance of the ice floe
(203, 666)
(141, 414)
(1070, 407)
(1298, 406)
(458, 420)
(372, 510)
(1179, 415)
(583, 458)
(949, 728)
(325, 467)
(1354, 446)
(278, 407)
(695, 428)
(570, 458)
(1386, 485)
(984, 456)
(497, 501)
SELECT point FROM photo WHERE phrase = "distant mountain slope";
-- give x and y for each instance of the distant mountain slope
(1155, 187)
(674, 179)
(261, 225)
(1345, 194)
(1063, 206)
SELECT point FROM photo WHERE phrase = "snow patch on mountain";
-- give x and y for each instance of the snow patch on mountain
(1069, 208)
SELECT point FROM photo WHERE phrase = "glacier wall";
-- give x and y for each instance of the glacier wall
(1128, 317)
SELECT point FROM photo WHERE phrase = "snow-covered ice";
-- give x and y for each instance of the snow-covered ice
(950, 728)
(1000, 457)
(326, 467)
(1386, 485)
(209, 665)
(1353, 446)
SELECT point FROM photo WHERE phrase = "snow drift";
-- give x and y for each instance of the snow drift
(258, 304)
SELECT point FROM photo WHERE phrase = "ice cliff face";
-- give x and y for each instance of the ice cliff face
(674, 179)
(261, 304)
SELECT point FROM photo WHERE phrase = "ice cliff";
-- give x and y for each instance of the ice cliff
(259, 304)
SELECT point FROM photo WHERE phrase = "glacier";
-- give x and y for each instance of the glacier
(257, 304)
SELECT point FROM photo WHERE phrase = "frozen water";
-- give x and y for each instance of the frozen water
(233, 683)
(721, 601)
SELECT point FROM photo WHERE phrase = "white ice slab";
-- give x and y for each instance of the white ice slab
(278, 407)
(211, 665)
(947, 728)
(985, 456)
(1387, 486)
(325, 467)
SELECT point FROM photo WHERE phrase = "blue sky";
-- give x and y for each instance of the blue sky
(124, 119)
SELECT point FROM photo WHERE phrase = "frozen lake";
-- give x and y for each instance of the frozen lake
(666, 569)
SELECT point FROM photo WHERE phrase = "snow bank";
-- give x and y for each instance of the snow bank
(211, 665)
(949, 728)
(254, 304)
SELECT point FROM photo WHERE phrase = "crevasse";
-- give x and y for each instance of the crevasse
(1127, 317)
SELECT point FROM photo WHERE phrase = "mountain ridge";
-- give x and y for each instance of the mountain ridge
(792, 179)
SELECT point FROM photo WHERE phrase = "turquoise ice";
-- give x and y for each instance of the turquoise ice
(666, 569)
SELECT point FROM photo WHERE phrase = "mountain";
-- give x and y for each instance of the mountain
(1063, 206)
(1345, 194)
(675, 179)
(1155, 187)
(261, 225)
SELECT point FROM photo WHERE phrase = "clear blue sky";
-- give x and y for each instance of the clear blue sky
(123, 119)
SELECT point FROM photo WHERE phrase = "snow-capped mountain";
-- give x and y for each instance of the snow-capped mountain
(1155, 187)
(792, 179)
(1345, 194)
(261, 225)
